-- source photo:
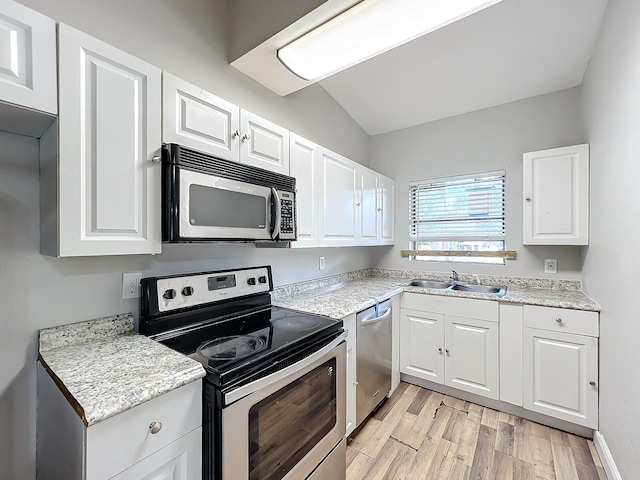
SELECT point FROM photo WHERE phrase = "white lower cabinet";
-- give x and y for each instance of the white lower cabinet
(350, 328)
(455, 351)
(561, 375)
(160, 439)
(471, 355)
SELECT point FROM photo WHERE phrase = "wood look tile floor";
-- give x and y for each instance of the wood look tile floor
(420, 434)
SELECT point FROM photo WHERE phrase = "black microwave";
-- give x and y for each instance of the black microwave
(206, 198)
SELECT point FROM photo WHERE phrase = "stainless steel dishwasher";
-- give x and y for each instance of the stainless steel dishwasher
(373, 358)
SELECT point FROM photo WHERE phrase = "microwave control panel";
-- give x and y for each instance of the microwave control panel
(287, 211)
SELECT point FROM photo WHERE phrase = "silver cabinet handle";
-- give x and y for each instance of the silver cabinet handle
(236, 134)
(447, 351)
(358, 204)
(155, 427)
(593, 384)
(355, 384)
(440, 350)
(246, 137)
(528, 199)
(558, 320)
(156, 159)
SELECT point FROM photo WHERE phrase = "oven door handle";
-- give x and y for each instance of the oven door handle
(248, 389)
(278, 214)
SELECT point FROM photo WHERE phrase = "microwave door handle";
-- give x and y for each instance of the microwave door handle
(278, 206)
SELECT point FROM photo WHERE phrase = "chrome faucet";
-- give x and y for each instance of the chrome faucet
(454, 276)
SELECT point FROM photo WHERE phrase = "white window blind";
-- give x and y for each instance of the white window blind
(461, 208)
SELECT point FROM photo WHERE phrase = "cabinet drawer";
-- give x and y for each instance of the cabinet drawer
(125, 439)
(561, 320)
(461, 307)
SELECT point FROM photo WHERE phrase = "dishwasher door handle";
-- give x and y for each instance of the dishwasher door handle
(371, 321)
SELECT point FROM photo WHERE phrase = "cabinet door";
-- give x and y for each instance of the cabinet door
(472, 355)
(304, 167)
(559, 369)
(180, 460)
(422, 345)
(263, 143)
(109, 188)
(338, 198)
(367, 206)
(556, 196)
(27, 58)
(386, 205)
(351, 386)
(198, 119)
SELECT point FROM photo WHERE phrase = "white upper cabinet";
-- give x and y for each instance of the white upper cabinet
(386, 205)
(263, 143)
(304, 168)
(339, 207)
(198, 119)
(368, 206)
(27, 58)
(556, 196)
(109, 145)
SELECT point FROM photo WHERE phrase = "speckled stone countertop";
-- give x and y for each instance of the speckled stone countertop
(104, 368)
(342, 295)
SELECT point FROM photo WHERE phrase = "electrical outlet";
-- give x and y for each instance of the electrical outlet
(550, 265)
(321, 263)
(131, 285)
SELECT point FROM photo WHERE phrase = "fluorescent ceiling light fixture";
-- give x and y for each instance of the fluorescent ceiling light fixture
(367, 29)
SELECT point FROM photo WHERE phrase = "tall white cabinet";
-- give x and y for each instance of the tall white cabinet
(556, 196)
(108, 160)
(27, 58)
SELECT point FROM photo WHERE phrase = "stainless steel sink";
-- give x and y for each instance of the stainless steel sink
(429, 284)
(500, 291)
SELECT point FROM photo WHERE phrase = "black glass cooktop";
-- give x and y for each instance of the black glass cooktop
(234, 348)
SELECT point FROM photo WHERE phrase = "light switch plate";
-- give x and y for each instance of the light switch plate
(321, 263)
(131, 285)
(550, 265)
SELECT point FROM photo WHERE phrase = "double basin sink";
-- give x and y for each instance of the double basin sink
(499, 291)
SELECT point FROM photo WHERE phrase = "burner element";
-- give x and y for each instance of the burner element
(230, 348)
(296, 323)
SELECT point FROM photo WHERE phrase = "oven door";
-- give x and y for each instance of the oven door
(218, 208)
(287, 426)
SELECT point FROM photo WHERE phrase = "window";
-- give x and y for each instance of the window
(463, 213)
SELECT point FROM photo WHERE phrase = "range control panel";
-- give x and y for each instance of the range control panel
(180, 291)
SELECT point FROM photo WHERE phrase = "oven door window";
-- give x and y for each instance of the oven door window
(285, 426)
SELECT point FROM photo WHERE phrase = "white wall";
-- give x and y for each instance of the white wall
(481, 141)
(186, 38)
(611, 92)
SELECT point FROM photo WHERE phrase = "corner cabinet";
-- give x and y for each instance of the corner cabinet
(107, 163)
(27, 58)
(161, 438)
(556, 196)
(385, 210)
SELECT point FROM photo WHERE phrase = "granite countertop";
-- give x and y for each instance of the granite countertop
(352, 294)
(104, 368)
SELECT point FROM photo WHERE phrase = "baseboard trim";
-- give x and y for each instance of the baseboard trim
(605, 457)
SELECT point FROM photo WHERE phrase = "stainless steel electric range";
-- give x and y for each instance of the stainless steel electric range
(274, 393)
